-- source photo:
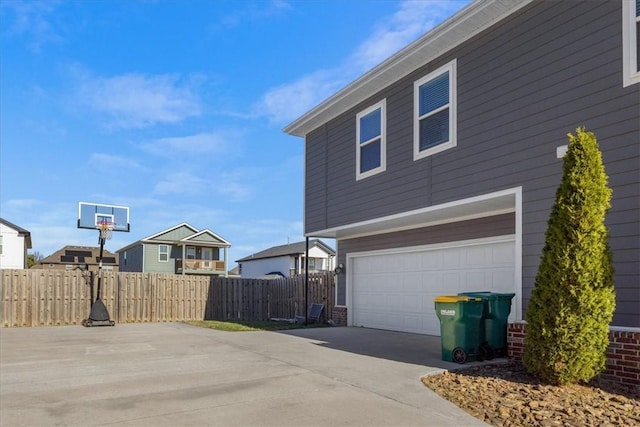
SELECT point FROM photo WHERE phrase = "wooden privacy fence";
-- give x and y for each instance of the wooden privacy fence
(55, 297)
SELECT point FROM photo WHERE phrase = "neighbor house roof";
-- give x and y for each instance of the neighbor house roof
(297, 248)
(79, 255)
(462, 26)
(199, 238)
(21, 231)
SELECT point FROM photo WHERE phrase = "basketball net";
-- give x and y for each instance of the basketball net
(106, 228)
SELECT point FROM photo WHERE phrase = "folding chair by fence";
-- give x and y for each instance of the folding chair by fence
(313, 315)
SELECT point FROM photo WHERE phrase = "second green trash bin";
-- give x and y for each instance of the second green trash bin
(495, 315)
(460, 326)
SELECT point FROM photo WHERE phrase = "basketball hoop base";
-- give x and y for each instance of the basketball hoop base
(99, 316)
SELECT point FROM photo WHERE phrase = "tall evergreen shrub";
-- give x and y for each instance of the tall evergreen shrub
(573, 300)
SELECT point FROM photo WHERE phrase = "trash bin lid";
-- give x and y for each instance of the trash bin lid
(456, 298)
(482, 294)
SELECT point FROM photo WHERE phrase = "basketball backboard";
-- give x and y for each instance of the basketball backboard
(91, 214)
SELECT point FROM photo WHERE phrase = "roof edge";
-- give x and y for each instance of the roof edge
(477, 16)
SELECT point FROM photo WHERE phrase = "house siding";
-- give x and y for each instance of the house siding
(176, 234)
(134, 259)
(151, 263)
(14, 251)
(260, 267)
(522, 86)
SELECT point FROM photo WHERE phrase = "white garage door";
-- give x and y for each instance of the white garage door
(396, 289)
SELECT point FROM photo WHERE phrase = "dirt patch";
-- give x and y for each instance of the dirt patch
(506, 395)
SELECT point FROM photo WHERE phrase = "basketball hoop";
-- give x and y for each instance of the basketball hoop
(106, 227)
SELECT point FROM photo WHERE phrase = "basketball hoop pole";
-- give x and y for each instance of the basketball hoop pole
(100, 266)
(99, 315)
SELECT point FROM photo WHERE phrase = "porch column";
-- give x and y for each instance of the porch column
(226, 266)
(184, 263)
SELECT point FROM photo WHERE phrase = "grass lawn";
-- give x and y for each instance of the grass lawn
(250, 326)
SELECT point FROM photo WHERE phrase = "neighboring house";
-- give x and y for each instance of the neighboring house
(234, 272)
(436, 171)
(181, 249)
(72, 257)
(14, 242)
(289, 260)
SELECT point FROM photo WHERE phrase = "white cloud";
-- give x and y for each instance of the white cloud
(139, 100)
(288, 101)
(414, 18)
(33, 19)
(15, 205)
(184, 183)
(231, 187)
(226, 185)
(210, 144)
(251, 12)
(110, 162)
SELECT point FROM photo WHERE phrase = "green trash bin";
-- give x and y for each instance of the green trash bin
(460, 326)
(495, 315)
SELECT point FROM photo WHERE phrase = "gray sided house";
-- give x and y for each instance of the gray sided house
(436, 171)
(181, 249)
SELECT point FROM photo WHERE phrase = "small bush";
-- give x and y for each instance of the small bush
(573, 299)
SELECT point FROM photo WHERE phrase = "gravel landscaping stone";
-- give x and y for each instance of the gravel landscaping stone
(506, 395)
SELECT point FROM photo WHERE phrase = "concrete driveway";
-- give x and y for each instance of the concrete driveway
(172, 374)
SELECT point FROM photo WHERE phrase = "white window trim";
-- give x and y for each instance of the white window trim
(382, 105)
(630, 72)
(417, 154)
(186, 253)
(160, 253)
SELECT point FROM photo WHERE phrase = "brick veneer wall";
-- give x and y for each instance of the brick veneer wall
(623, 354)
(339, 316)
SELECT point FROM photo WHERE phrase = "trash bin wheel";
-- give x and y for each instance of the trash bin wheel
(459, 355)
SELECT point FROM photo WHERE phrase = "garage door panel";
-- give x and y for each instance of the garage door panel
(503, 255)
(502, 280)
(411, 303)
(430, 282)
(411, 282)
(413, 262)
(451, 281)
(477, 256)
(396, 290)
(477, 278)
(451, 258)
(431, 260)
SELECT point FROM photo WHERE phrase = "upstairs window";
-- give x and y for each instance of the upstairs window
(631, 41)
(434, 99)
(371, 140)
(163, 253)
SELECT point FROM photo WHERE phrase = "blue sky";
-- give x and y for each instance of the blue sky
(176, 108)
